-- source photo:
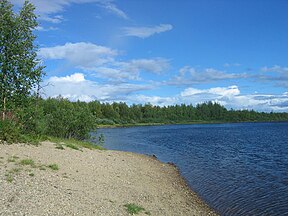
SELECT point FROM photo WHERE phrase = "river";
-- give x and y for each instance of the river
(237, 169)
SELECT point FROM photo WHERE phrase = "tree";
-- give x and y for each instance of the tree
(20, 70)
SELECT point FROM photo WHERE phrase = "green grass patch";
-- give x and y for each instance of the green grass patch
(27, 162)
(11, 160)
(31, 174)
(53, 166)
(9, 178)
(15, 170)
(133, 208)
(74, 144)
(42, 167)
(59, 146)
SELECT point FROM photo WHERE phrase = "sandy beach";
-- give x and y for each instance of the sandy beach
(44, 180)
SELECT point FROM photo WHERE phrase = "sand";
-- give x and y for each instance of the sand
(90, 182)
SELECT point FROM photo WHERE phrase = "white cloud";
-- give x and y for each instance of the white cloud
(80, 54)
(114, 73)
(100, 61)
(49, 9)
(232, 65)
(220, 91)
(277, 69)
(157, 65)
(144, 32)
(41, 28)
(231, 97)
(114, 9)
(74, 78)
(131, 69)
(154, 100)
(76, 87)
(276, 74)
(189, 75)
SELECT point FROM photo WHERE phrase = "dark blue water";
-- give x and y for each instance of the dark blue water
(238, 169)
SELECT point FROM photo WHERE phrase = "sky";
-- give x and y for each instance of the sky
(166, 52)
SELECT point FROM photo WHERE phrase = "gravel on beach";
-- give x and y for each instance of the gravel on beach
(42, 180)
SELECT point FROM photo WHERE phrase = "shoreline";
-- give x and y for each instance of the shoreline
(91, 182)
(180, 123)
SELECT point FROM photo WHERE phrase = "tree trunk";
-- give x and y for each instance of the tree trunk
(4, 109)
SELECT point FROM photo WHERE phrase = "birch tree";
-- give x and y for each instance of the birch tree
(20, 70)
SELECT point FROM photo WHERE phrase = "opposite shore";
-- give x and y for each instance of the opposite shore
(49, 180)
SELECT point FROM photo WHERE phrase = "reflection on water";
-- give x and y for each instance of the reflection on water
(238, 169)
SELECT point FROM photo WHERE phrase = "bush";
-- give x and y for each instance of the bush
(66, 119)
(9, 131)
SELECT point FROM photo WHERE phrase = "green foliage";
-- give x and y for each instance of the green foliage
(9, 178)
(133, 208)
(68, 120)
(20, 70)
(53, 167)
(61, 143)
(27, 162)
(72, 146)
(9, 131)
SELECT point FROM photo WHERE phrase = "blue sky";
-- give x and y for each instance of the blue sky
(166, 52)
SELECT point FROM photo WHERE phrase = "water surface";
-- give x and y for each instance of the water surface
(238, 169)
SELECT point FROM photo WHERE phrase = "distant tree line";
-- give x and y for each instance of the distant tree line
(62, 118)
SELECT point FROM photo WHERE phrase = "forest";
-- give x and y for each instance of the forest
(62, 118)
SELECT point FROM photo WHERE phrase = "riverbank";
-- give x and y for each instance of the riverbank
(182, 123)
(46, 180)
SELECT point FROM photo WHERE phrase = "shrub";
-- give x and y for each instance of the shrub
(9, 131)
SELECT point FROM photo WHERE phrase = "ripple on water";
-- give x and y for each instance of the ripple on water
(238, 169)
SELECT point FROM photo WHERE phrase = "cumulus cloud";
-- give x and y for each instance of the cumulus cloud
(231, 97)
(74, 78)
(277, 69)
(100, 61)
(144, 32)
(80, 54)
(49, 9)
(154, 100)
(221, 91)
(131, 69)
(276, 74)
(190, 75)
(76, 87)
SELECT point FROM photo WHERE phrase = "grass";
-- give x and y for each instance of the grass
(10, 174)
(53, 166)
(9, 178)
(73, 144)
(42, 167)
(27, 162)
(133, 208)
(11, 160)
(59, 146)
(15, 170)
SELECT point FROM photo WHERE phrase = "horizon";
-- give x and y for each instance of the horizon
(166, 53)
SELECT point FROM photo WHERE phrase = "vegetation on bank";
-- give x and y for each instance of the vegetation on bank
(25, 166)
